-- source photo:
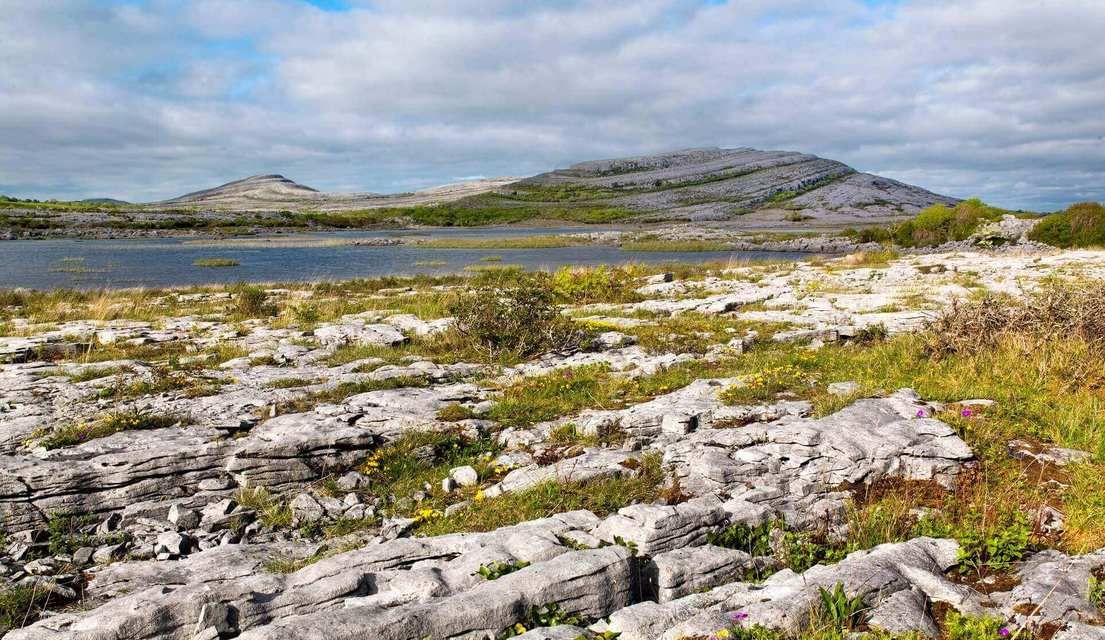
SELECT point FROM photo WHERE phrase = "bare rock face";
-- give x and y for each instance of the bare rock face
(716, 184)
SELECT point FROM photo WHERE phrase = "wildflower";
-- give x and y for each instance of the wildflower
(966, 413)
(1004, 631)
(724, 633)
(921, 413)
(738, 617)
(479, 496)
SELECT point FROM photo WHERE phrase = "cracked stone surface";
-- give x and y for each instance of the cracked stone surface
(176, 550)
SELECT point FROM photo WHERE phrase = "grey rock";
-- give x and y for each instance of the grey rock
(683, 571)
(213, 616)
(903, 612)
(352, 480)
(108, 553)
(306, 509)
(1054, 588)
(83, 555)
(184, 518)
(1080, 631)
(172, 543)
(465, 476)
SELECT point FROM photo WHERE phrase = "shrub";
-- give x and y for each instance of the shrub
(800, 550)
(755, 541)
(66, 533)
(868, 234)
(1056, 311)
(599, 284)
(1080, 225)
(996, 549)
(520, 320)
(252, 302)
(939, 223)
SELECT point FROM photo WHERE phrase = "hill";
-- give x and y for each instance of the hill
(715, 183)
(275, 192)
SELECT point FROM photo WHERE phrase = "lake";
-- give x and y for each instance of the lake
(165, 262)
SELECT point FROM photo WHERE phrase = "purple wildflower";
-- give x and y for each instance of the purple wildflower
(966, 413)
(1004, 632)
(921, 413)
(738, 617)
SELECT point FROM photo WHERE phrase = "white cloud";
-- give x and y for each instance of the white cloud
(980, 97)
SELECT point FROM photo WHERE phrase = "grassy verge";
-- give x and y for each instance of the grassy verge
(686, 246)
(520, 242)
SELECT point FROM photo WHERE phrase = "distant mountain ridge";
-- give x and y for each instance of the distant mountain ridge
(275, 192)
(691, 184)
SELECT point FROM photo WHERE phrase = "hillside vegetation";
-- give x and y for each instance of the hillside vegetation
(1080, 225)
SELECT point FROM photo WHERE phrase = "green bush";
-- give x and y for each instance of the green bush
(868, 234)
(599, 284)
(66, 533)
(939, 223)
(755, 541)
(516, 321)
(1080, 225)
(252, 302)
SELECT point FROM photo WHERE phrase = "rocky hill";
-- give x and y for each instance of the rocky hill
(273, 192)
(715, 183)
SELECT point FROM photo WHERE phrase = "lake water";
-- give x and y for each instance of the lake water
(163, 262)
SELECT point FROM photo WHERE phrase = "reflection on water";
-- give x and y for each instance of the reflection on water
(45, 264)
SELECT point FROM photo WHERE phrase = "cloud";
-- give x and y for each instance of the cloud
(146, 100)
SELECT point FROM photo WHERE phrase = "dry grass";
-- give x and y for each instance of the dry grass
(1056, 311)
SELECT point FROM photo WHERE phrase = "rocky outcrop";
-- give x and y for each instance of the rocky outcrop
(713, 184)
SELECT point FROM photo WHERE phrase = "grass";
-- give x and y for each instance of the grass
(273, 512)
(541, 398)
(215, 262)
(1037, 399)
(112, 423)
(682, 246)
(868, 259)
(21, 605)
(602, 497)
(520, 242)
(290, 383)
(416, 458)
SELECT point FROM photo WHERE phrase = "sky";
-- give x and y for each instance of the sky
(148, 99)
